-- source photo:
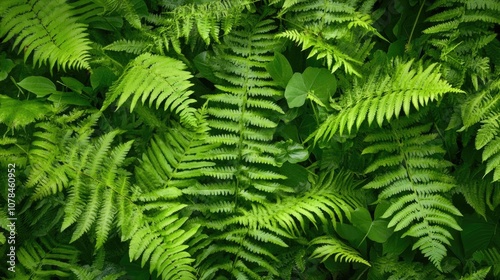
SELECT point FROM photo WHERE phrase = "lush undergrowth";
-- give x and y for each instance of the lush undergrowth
(245, 139)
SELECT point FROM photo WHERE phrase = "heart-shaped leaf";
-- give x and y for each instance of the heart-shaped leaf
(317, 82)
(296, 91)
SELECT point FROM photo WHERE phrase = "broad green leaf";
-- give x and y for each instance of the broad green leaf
(296, 91)
(69, 98)
(477, 234)
(317, 82)
(377, 230)
(380, 209)
(110, 23)
(395, 245)
(320, 82)
(38, 85)
(280, 69)
(292, 152)
(102, 77)
(73, 84)
(352, 234)
(296, 176)
(361, 219)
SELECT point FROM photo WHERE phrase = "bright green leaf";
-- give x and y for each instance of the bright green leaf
(292, 152)
(314, 81)
(296, 91)
(321, 82)
(38, 85)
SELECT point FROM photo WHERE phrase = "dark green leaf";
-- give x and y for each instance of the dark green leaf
(73, 84)
(5, 66)
(280, 69)
(69, 98)
(375, 230)
(102, 77)
(203, 63)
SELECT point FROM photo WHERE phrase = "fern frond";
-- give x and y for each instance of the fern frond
(98, 270)
(415, 182)
(491, 257)
(329, 28)
(329, 199)
(48, 29)
(454, 32)
(64, 156)
(46, 172)
(175, 160)
(383, 97)
(161, 241)
(45, 256)
(99, 191)
(480, 194)
(145, 79)
(243, 106)
(132, 11)
(331, 246)
(324, 50)
(131, 46)
(238, 117)
(484, 107)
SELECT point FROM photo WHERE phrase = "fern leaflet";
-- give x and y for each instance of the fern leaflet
(413, 177)
(48, 29)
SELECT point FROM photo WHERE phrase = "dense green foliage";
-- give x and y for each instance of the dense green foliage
(245, 139)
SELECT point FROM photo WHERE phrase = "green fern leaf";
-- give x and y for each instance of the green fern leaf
(333, 247)
(145, 79)
(381, 98)
(48, 29)
(47, 257)
(415, 179)
(130, 46)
